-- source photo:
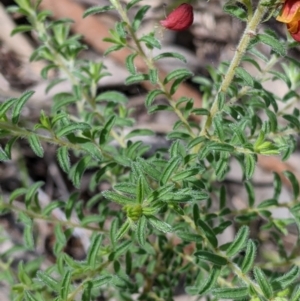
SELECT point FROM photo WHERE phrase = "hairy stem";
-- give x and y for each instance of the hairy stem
(241, 48)
(150, 64)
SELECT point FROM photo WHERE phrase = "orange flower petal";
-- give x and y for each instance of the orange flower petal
(290, 11)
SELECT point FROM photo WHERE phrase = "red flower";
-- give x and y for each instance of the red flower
(179, 19)
(290, 15)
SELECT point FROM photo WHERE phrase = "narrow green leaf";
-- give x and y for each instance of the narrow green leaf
(28, 237)
(196, 141)
(78, 170)
(93, 150)
(268, 203)
(221, 147)
(245, 76)
(139, 132)
(53, 205)
(221, 100)
(159, 108)
(169, 169)
(16, 193)
(140, 190)
(151, 41)
(210, 281)
(139, 17)
(32, 191)
(87, 292)
(294, 182)
(96, 10)
(177, 82)
(132, 79)
(231, 293)
(21, 29)
(113, 231)
(250, 163)
(211, 257)
(102, 280)
(177, 149)
(48, 280)
(129, 63)
(272, 120)
(189, 237)
(263, 282)
(94, 250)
(9, 145)
(222, 166)
(281, 76)
(141, 231)
(178, 135)
(219, 128)
(160, 225)
(251, 61)
(35, 145)
(19, 106)
(45, 71)
(128, 263)
(122, 248)
(151, 96)
(239, 11)
(251, 194)
(249, 257)
(59, 234)
(170, 55)
(296, 294)
(112, 96)
(29, 296)
(132, 3)
(118, 198)
(5, 106)
(160, 193)
(112, 49)
(239, 242)
(293, 120)
(153, 76)
(72, 128)
(23, 275)
(274, 43)
(63, 159)
(91, 219)
(203, 112)
(287, 279)
(196, 213)
(178, 73)
(65, 286)
(208, 232)
(126, 188)
(107, 129)
(187, 173)
(277, 185)
(123, 230)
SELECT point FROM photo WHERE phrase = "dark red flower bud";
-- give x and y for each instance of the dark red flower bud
(179, 19)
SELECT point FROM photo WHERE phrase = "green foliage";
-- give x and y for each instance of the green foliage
(157, 224)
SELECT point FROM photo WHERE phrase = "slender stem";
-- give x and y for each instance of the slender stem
(66, 66)
(21, 132)
(150, 64)
(241, 48)
(261, 78)
(234, 267)
(51, 219)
